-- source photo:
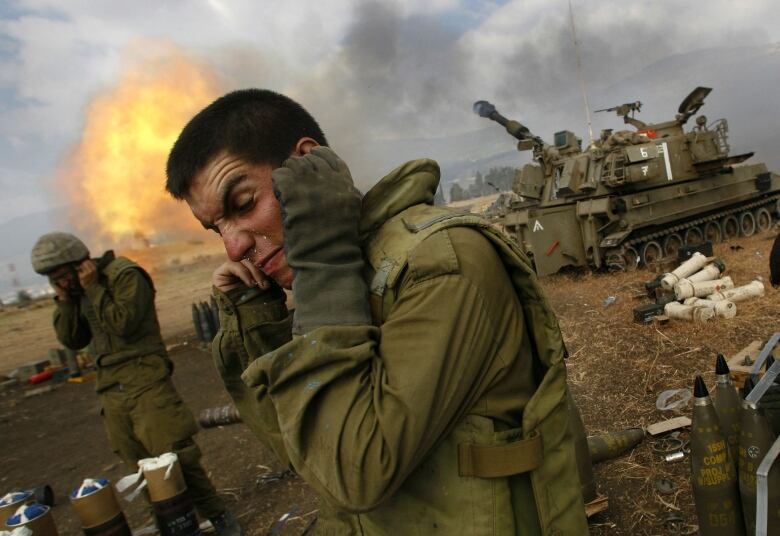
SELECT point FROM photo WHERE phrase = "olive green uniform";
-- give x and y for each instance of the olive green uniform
(381, 420)
(142, 412)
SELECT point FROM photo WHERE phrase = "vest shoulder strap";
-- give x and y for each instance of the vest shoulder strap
(122, 264)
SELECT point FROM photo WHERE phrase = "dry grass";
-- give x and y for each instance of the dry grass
(617, 369)
(181, 273)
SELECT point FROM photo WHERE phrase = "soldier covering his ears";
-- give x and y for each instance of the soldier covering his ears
(419, 385)
(109, 303)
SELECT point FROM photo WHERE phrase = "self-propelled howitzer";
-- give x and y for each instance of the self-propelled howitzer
(634, 196)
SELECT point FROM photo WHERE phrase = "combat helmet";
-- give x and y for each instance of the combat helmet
(55, 249)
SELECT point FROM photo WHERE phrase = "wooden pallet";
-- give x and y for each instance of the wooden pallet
(599, 504)
(740, 363)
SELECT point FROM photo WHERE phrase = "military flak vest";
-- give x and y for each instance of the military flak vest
(542, 448)
(111, 349)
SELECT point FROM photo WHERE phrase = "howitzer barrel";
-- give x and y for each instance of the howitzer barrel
(514, 128)
(219, 416)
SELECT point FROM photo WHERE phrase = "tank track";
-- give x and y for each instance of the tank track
(698, 221)
(615, 257)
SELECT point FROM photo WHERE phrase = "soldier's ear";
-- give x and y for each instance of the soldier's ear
(304, 146)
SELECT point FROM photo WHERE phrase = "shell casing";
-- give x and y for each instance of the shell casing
(713, 475)
(613, 444)
(728, 403)
(755, 439)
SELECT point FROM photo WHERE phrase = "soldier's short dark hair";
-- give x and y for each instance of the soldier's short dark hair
(257, 125)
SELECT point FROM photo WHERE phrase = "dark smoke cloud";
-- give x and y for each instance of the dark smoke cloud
(392, 72)
(396, 81)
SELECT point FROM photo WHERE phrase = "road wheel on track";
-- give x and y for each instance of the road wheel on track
(693, 236)
(747, 224)
(712, 232)
(615, 263)
(672, 244)
(651, 253)
(730, 227)
(763, 219)
(631, 256)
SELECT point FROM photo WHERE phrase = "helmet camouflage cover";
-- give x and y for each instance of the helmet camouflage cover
(55, 249)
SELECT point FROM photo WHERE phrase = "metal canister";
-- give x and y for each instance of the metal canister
(713, 473)
(98, 509)
(11, 502)
(36, 518)
(168, 493)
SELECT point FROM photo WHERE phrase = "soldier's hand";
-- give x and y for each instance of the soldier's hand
(88, 274)
(320, 218)
(60, 292)
(233, 274)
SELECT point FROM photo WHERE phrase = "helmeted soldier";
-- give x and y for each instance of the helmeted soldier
(419, 386)
(108, 303)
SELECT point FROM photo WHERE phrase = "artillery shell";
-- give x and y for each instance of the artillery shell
(713, 474)
(613, 444)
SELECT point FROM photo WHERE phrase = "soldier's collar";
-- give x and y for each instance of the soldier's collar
(105, 259)
(412, 183)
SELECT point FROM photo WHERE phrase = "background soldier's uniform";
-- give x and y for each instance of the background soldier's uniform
(388, 423)
(142, 412)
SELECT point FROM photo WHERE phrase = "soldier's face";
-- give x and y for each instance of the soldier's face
(235, 199)
(66, 278)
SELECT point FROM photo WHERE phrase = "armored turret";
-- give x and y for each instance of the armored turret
(634, 196)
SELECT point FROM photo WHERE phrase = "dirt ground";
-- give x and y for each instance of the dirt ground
(617, 369)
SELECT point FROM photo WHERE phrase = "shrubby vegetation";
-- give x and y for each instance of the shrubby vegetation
(498, 179)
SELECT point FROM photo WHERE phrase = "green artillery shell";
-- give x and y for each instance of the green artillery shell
(219, 416)
(713, 475)
(755, 439)
(584, 467)
(613, 444)
(727, 405)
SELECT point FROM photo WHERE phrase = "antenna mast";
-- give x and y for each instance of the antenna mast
(579, 72)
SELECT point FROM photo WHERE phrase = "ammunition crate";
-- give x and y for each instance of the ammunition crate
(686, 252)
(645, 313)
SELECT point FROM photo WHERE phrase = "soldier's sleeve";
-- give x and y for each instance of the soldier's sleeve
(121, 309)
(71, 328)
(253, 322)
(359, 407)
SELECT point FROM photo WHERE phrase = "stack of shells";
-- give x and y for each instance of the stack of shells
(702, 292)
(729, 439)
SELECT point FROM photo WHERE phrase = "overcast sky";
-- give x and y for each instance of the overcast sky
(367, 70)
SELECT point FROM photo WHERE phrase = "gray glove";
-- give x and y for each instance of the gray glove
(320, 217)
